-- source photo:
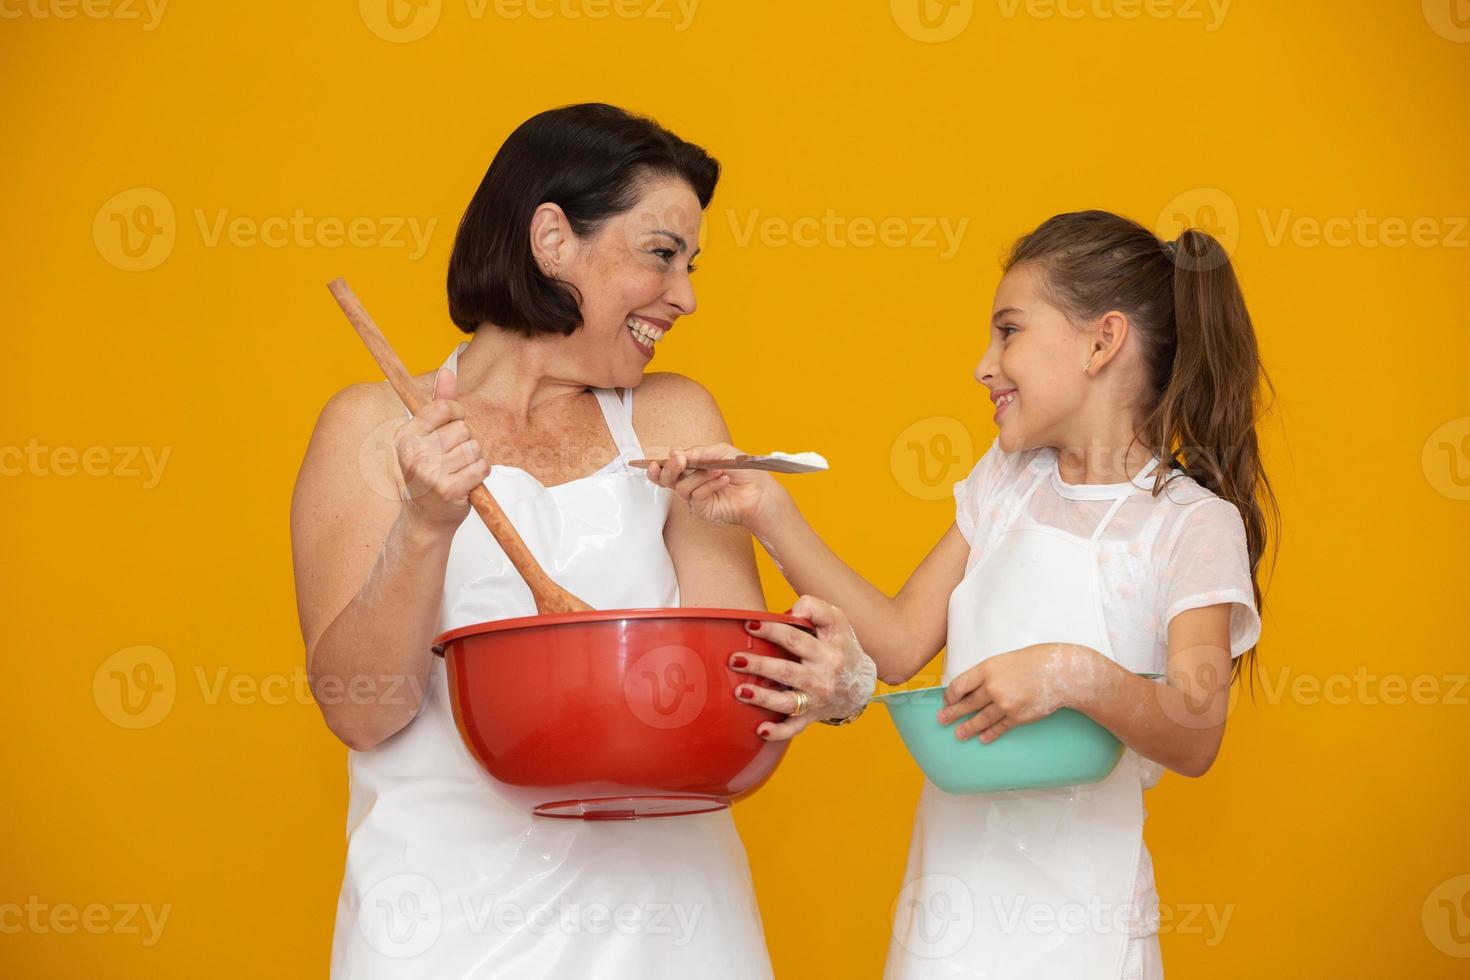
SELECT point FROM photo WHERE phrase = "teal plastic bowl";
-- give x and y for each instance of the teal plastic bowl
(1066, 748)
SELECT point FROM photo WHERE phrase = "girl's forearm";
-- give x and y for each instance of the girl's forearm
(811, 567)
(1155, 720)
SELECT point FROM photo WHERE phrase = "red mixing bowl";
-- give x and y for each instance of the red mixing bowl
(614, 714)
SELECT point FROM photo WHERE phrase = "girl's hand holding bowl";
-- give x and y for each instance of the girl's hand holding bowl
(1011, 689)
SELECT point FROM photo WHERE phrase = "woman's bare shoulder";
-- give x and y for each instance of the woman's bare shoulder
(369, 403)
(672, 410)
(358, 420)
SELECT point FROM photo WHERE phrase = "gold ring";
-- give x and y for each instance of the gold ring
(803, 701)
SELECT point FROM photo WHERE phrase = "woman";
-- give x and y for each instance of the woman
(571, 263)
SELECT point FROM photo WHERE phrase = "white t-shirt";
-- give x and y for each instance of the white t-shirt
(1158, 557)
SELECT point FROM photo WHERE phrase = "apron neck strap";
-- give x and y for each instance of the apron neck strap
(1019, 508)
(1123, 497)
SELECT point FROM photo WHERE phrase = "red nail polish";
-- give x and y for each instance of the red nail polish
(745, 693)
(752, 624)
(738, 662)
(763, 732)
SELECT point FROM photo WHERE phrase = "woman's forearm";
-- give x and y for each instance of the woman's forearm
(369, 668)
(811, 567)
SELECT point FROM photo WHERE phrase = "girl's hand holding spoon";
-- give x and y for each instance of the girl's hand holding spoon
(734, 496)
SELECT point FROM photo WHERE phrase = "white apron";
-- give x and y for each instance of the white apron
(446, 879)
(1036, 883)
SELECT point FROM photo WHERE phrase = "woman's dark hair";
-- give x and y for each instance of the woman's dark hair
(1203, 376)
(592, 160)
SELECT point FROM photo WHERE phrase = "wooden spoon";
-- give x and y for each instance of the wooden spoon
(550, 597)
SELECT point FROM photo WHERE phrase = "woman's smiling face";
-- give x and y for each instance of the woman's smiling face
(1033, 366)
(633, 276)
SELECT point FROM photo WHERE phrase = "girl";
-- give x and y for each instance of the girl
(1114, 528)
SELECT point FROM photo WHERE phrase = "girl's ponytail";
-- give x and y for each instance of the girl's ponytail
(1205, 419)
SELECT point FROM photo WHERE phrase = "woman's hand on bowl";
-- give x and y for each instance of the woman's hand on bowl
(831, 669)
(716, 495)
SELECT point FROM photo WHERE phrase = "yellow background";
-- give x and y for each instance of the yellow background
(1331, 829)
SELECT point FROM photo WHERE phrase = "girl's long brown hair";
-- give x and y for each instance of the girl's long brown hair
(1204, 383)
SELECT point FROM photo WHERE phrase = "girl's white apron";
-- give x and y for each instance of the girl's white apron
(446, 879)
(1024, 884)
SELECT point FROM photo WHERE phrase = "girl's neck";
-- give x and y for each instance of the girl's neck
(1102, 457)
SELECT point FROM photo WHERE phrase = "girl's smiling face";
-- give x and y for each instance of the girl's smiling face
(633, 276)
(1034, 364)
